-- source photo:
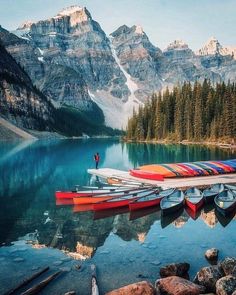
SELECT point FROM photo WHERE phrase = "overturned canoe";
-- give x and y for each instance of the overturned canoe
(146, 174)
(199, 168)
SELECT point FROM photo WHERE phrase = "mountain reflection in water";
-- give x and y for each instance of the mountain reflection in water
(32, 172)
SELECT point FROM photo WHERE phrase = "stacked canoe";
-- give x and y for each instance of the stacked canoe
(192, 169)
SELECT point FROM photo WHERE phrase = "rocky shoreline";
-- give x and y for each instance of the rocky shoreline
(218, 278)
(225, 145)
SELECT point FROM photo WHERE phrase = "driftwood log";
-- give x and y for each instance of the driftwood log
(27, 281)
(37, 288)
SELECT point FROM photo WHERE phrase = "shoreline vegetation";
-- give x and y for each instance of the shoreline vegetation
(202, 113)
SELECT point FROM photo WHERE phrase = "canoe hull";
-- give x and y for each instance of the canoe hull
(146, 174)
(90, 200)
(145, 204)
(115, 204)
(172, 209)
(194, 206)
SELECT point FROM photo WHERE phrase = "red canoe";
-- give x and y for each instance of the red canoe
(92, 192)
(120, 202)
(194, 199)
(146, 174)
(97, 198)
(151, 200)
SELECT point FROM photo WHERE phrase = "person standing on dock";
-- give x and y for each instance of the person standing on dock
(96, 159)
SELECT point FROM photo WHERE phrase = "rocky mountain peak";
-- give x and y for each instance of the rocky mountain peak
(138, 30)
(212, 47)
(25, 25)
(76, 14)
(177, 45)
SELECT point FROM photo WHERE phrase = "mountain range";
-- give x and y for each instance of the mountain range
(73, 64)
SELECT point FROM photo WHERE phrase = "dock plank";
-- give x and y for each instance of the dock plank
(181, 183)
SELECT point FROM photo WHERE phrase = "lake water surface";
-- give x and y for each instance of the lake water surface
(34, 232)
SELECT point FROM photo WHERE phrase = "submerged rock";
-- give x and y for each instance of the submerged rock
(228, 265)
(175, 269)
(226, 285)
(140, 288)
(178, 286)
(70, 293)
(212, 254)
(207, 277)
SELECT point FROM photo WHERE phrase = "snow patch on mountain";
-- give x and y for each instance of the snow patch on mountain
(22, 33)
(76, 14)
(139, 30)
(132, 102)
(70, 10)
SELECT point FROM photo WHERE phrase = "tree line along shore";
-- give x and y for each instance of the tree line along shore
(199, 113)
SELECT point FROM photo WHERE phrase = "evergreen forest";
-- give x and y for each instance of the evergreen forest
(198, 112)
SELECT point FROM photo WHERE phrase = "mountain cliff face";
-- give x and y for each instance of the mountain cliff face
(72, 61)
(20, 101)
(139, 58)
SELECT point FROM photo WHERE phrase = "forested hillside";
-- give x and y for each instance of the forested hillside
(190, 112)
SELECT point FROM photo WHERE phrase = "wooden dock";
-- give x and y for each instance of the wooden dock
(181, 183)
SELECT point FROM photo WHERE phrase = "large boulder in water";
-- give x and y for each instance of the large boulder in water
(178, 286)
(175, 269)
(140, 288)
(226, 285)
(208, 276)
(212, 254)
(228, 265)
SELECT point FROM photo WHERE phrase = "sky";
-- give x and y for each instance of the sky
(193, 21)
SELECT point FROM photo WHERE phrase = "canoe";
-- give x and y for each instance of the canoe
(209, 195)
(96, 198)
(158, 169)
(225, 202)
(199, 170)
(166, 192)
(193, 214)
(146, 174)
(181, 170)
(231, 163)
(194, 199)
(190, 170)
(219, 169)
(210, 170)
(230, 187)
(172, 202)
(117, 181)
(121, 201)
(227, 168)
(92, 192)
(218, 187)
(148, 201)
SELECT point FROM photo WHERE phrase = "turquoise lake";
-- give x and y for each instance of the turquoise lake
(35, 232)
